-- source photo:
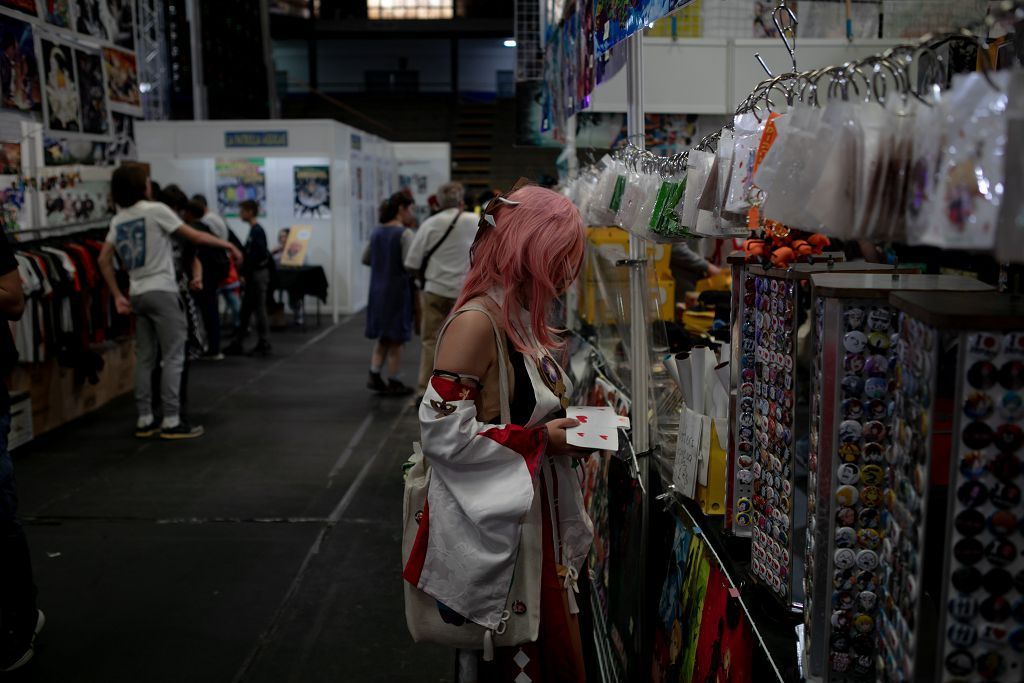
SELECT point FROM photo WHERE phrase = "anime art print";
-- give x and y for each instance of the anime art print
(63, 112)
(95, 118)
(312, 192)
(122, 80)
(19, 71)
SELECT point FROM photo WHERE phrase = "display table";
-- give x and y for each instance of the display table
(303, 281)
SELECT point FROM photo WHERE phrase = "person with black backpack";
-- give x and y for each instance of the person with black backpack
(216, 264)
(438, 260)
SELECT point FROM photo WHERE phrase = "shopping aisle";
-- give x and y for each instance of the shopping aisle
(268, 550)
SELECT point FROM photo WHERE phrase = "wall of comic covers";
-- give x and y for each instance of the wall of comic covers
(71, 64)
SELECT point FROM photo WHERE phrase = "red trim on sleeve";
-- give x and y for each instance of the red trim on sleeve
(414, 567)
(450, 390)
(529, 443)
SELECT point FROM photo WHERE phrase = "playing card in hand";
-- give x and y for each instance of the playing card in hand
(598, 428)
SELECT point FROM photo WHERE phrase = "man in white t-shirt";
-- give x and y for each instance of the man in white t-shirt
(211, 220)
(441, 250)
(139, 237)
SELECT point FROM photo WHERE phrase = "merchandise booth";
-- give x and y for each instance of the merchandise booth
(274, 162)
(68, 106)
(822, 479)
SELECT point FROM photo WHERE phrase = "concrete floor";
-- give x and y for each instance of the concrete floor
(268, 550)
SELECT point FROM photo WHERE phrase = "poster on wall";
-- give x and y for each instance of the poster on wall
(239, 180)
(95, 118)
(616, 20)
(57, 12)
(422, 177)
(19, 70)
(122, 81)
(10, 158)
(83, 202)
(312, 192)
(13, 211)
(297, 245)
(122, 30)
(26, 6)
(62, 104)
(123, 146)
(62, 152)
(94, 19)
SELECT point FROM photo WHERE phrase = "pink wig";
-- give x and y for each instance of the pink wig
(533, 253)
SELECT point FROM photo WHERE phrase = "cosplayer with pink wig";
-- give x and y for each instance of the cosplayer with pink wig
(532, 254)
(503, 534)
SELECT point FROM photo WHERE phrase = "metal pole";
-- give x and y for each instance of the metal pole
(639, 361)
(638, 348)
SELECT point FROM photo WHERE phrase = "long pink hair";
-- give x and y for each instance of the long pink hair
(533, 253)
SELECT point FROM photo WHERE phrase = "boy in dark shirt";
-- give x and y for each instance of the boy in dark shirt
(257, 283)
(21, 620)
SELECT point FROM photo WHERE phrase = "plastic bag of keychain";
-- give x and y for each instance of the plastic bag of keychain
(971, 184)
(747, 136)
(604, 207)
(698, 166)
(648, 185)
(664, 221)
(712, 218)
(1010, 236)
(785, 171)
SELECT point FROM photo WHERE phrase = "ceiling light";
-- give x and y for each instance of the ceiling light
(511, 42)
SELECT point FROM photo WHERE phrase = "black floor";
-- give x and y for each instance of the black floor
(268, 550)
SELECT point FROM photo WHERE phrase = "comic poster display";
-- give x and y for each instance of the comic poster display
(62, 97)
(19, 70)
(239, 180)
(312, 192)
(122, 80)
(63, 152)
(82, 202)
(12, 207)
(58, 13)
(123, 146)
(10, 158)
(122, 26)
(26, 6)
(95, 118)
(94, 19)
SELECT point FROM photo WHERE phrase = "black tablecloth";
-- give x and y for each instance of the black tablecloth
(302, 281)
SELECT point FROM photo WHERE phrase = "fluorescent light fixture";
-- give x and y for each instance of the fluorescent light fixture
(511, 42)
(145, 87)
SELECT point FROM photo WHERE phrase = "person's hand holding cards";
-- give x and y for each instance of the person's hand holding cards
(597, 429)
(558, 437)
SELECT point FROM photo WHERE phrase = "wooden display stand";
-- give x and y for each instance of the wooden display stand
(58, 399)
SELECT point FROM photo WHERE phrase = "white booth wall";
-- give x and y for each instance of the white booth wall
(185, 153)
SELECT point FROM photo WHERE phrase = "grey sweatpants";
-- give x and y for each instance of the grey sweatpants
(160, 332)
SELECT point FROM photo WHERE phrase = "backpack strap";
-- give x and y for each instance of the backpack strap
(487, 306)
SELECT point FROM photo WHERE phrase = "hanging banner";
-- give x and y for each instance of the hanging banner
(312, 191)
(239, 180)
(617, 20)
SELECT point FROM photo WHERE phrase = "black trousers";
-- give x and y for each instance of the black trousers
(207, 301)
(17, 590)
(257, 287)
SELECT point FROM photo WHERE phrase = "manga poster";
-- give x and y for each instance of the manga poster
(19, 70)
(312, 192)
(13, 209)
(724, 650)
(62, 152)
(94, 19)
(616, 20)
(62, 98)
(691, 601)
(122, 80)
(586, 73)
(122, 23)
(58, 13)
(239, 180)
(123, 146)
(26, 6)
(10, 158)
(95, 118)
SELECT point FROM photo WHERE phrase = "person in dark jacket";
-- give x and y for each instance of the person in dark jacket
(389, 310)
(256, 272)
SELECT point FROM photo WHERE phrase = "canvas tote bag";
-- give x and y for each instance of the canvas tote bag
(421, 613)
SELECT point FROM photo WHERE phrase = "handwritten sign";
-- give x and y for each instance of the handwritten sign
(686, 469)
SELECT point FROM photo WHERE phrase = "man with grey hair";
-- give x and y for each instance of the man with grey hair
(438, 259)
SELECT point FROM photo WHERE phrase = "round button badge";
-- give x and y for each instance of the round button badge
(1011, 375)
(982, 375)
(847, 495)
(970, 522)
(968, 551)
(855, 342)
(867, 560)
(978, 405)
(845, 558)
(977, 435)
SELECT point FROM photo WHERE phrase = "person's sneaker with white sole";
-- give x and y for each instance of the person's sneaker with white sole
(16, 652)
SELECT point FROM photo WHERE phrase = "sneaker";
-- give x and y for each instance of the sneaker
(16, 653)
(376, 383)
(183, 431)
(397, 388)
(262, 349)
(147, 431)
(212, 356)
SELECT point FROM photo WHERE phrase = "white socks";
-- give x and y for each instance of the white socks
(171, 422)
(144, 421)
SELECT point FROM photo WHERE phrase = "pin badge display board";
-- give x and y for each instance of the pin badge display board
(851, 409)
(979, 628)
(739, 513)
(766, 427)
